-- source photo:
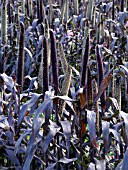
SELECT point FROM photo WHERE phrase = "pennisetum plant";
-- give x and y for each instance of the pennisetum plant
(113, 9)
(93, 17)
(65, 89)
(98, 28)
(9, 12)
(4, 22)
(16, 14)
(46, 27)
(45, 66)
(20, 67)
(38, 9)
(63, 58)
(42, 11)
(3, 33)
(23, 6)
(86, 49)
(66, 12)
(85, 58)
(63, 11)
(118, 92)
(59, 3)
(122, 5)
(76, 7)
(100, 76)
(50, 13)
(31, 9)
(54, 61)
(95, 105)
(102, 29)
(111, 86)
(90, 9)
(89, 89)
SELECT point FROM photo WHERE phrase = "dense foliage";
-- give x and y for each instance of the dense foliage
(64, 84)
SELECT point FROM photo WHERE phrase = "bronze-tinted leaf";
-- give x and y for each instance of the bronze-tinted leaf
(104, 84)
(83, 101)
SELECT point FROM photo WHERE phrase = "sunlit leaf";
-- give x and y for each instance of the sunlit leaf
(91, 119)
(104, 84)
(67, 132)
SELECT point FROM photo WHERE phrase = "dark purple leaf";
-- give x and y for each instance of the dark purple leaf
(42, 108)
(48, 109)
(20, 139)
(104, 84)
(29, 158)
(62, 160)
(31, 148)
(105, 131)
(26, 106)
(11, 120)
(12, 157)
(66, 126)
(38, 121)
(1, 108)
(52, 132)
(10, 136)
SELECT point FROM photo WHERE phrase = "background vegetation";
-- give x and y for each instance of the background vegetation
(64, 84)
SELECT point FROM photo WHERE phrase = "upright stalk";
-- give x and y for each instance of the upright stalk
(54, 61)
(4, 22)
(45, 66)
(20, 69)
(100, 77)
(3, 33)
